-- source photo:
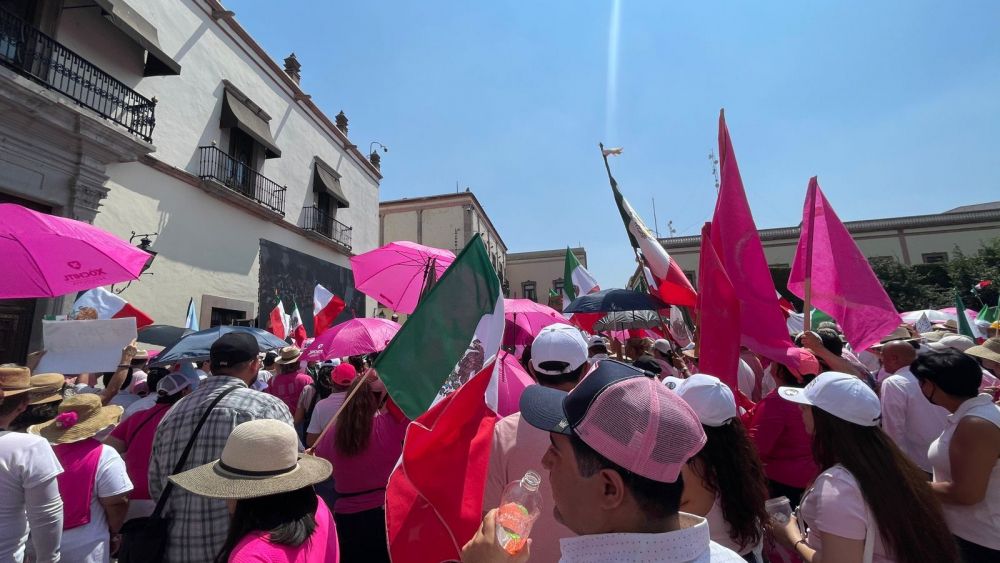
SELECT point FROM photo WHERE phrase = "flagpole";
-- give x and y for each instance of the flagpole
(340, 410)
(807, 290)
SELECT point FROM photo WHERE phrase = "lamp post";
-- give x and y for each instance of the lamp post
(374, 156)
(144, 243)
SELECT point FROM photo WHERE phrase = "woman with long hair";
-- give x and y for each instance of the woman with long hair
(966, 457)
(725, 481)
(363, 446)
(276, 515)
(870, 502)
(776, 430)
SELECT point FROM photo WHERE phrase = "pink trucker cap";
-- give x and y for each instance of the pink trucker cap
(627, 417)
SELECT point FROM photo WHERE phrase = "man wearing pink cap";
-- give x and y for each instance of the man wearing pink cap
(618, 443)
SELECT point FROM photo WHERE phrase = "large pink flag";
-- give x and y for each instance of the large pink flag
(737, 243)
(843, 284)
(718, 316)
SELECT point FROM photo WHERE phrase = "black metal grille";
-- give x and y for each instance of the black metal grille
(240, 178)
(41, 58)
(318, 220)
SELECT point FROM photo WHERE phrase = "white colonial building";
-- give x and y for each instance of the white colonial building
(165, 118)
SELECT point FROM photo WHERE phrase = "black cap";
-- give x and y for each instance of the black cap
(270, 358)
(233, 348)
(557, 411)
(649, 364)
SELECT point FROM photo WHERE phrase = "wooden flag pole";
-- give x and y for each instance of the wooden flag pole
(336, 415)
(807, 290)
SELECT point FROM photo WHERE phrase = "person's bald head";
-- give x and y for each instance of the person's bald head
(897, 355)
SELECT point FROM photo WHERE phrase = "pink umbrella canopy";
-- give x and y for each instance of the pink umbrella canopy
(352, 338)
(512, 381)
(49, 256)
(525, 318)
(394, 274)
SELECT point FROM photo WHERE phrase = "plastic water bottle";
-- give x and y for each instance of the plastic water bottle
(520, 506)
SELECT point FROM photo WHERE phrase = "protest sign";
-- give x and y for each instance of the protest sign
(84, 346)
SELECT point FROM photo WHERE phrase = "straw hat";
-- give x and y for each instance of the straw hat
(951, 325)
(288, 355)
(15, 379)
(261, 458)
(47, 388)
(80, 417)
(899, 333)
(988, 350)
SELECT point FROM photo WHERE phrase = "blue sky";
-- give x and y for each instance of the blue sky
(894, 104)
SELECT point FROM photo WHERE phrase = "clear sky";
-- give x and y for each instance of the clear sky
(893, 103)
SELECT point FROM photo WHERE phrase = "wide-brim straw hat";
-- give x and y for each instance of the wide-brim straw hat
(288, 355)
(15, 379)
(46, 388)
(80, 417)
(261, 458)
(899, 333)
(989, 350)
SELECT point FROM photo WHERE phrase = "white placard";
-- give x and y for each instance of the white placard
(84, 346)
(924, 324)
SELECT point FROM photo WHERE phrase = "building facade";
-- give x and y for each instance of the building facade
(446, 221)
(164, 120)
(917, 239)
(533, 274)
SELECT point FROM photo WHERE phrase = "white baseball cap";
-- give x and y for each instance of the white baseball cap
(952, 342)
(844, 396)
(672, 383)
(171, 385)
(662, 345)
(558, 342)
(711, 399)
(595, 340)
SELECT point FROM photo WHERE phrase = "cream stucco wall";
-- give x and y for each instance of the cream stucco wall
(542, 267)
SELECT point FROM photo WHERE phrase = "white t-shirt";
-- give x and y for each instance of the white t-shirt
(26, 461)
(835, 505)
(909, 418)
(142, 404)
(324, 411)
(124, 399)
(90, 543)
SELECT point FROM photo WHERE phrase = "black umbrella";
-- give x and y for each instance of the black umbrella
(624, 320)
(615, 300)
(195, 346)
(162, 335)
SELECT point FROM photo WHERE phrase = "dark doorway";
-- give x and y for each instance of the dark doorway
(226, 317)
(15, 329)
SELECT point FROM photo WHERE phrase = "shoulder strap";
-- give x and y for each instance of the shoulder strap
(161, 503)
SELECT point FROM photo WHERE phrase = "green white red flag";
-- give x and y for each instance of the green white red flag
(577, 280)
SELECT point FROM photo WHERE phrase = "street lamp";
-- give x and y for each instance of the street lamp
(373, 155)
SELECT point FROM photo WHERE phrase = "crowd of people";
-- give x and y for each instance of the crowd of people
(890, 454)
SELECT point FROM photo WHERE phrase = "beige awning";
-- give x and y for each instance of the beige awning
(325, 180)
(126, 19)
(237, 113)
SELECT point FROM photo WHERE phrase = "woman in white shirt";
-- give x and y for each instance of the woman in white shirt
(870, 503)
(966, 457)
(724, 482)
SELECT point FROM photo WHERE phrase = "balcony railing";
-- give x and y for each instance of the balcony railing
(42, 59)
(315, 219)
(219, 166)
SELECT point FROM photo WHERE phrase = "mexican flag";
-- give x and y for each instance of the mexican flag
(296, 329)
(326, 308)
(577, 280)
(99, 303)
(434, 496)
(965, 327)
(278, 321)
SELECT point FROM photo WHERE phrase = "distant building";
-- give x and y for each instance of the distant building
(533, 274)
(917, 239)
(165, 118)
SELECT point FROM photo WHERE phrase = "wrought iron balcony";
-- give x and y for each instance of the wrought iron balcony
(42, 59)
(240, 178)
(318, 220)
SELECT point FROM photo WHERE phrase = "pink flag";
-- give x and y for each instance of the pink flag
(737, 243)
(843, 284)
(718, 316)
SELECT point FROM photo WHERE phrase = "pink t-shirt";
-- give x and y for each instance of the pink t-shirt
(368, 472)
(784, 446)
(288, 387)
(835, 505)
(137, 432)
(518, 447)
(321, 546)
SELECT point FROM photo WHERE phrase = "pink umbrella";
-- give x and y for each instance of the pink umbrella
(352, 338)
(525, 319)
(512, 381)
(395, 274)
(49, 256)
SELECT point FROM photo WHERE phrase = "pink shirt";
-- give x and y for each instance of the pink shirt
(321, 545)
(518, 447)
(288, 387)
(137, 433)
(784, 446)
(836, 506)
(368, 472)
